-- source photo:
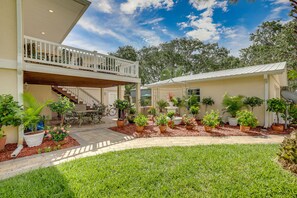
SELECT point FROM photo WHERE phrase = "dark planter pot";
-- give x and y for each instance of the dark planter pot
(163, 128)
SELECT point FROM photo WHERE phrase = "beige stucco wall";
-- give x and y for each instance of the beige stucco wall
(247, 86)
(42, 93)
(8, 33)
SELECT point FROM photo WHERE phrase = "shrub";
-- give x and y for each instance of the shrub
(208, 101)
(246, 118)
(132, 111)
(161, 120)
(287, 155)
(162, 104)
(194, 110)
(59, 133)
(62, 106)
(140, 120)
(276, 105)
(253, 102)
(170, 115)
(232, 104)
(188, 120)
(31, 115)
(152, 111)
(10, 112)
(292, 114)
(211, 119)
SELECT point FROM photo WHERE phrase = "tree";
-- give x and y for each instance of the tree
(272, 42)
(126, 52)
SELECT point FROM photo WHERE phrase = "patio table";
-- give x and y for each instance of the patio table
(92, 116)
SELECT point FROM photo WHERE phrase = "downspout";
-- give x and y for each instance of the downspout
(266, 97)
(20, 74)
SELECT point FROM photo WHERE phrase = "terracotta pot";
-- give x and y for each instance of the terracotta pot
(121, 123)
(2, 143)
(139, 128)
(244, 128)
(278, 127)
(163, 128)
(207, 128)
(189, 127)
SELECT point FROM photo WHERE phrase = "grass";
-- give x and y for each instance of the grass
(200, 171)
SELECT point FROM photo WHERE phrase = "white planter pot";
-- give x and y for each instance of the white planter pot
(232, 121)
(177, 120)
(34, 139)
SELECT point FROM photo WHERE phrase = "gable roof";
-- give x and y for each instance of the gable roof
(273, 68)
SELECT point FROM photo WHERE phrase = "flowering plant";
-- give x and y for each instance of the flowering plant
(58, 133)
(189, 121)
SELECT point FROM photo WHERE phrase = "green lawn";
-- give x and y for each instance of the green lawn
(200, 171)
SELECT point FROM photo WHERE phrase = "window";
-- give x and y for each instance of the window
(194, 92)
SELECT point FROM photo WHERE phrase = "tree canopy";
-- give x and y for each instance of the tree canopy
(273, 41)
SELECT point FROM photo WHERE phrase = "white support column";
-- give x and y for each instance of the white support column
(20, 74)
(266, 97)
(138, 97)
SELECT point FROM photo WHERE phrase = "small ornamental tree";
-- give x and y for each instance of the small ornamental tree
(121, 105)
(208, 101)
(62, 106)
(162, 104)
(277, 106)
(253, 102)
(10, 112)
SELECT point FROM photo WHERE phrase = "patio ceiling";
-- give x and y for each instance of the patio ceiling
(64, 80)
(52, 20)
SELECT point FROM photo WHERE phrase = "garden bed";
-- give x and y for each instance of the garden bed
(180, 130)
(27, 151)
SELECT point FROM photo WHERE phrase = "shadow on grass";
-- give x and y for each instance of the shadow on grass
(47, 182)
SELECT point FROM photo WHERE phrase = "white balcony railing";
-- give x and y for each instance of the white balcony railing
(49, 53)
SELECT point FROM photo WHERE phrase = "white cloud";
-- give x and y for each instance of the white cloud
(104, 6)
(279, 7)
(89, 25)
(235, 39)
(131, 6)
(203, 27)
(152, 21)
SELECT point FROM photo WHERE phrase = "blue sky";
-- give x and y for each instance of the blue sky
(108, 24)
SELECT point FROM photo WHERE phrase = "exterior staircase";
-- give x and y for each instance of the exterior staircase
(77, 95)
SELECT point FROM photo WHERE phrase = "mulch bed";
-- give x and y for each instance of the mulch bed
(27, 151)
(180, 130)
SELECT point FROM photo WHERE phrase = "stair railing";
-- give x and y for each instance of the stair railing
(81, 95)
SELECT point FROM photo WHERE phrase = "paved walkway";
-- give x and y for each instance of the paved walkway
(21, 165)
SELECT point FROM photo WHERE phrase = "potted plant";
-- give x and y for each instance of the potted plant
(31, 118)
(277, 106)
(162, 104)
(253, 102)
(10, 115)
(189, 122)
(208, 101)
(171, 123)
(121, 105)
(162, 122)
(232, 104)
(194, 110)
(246, 120)
(211, 120)
(141, 122)
(62, 106)
(153, 112)
(59, 134)
(131, 116)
